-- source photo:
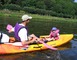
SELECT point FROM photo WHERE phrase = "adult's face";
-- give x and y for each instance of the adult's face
(27, 21)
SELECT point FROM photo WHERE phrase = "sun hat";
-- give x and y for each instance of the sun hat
(54, 28)
(26, 17)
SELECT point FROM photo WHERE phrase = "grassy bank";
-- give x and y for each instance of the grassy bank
(39, 25)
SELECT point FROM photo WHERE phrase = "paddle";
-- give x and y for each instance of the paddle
(48, 46)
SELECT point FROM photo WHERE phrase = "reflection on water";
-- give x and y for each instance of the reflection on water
(71, 53)
(10, 57)
(40, 55)
(65, 46)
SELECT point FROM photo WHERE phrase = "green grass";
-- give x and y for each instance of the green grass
(6, 12)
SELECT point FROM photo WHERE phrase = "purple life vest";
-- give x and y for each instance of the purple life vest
(17, 29)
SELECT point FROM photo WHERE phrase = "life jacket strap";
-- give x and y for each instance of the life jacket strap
(1, 37)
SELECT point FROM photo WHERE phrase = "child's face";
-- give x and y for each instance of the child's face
(53, 30)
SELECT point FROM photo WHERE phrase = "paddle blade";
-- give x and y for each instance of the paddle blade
(50, 47)
(9, 27)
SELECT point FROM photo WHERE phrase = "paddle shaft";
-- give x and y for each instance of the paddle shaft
(48, 46)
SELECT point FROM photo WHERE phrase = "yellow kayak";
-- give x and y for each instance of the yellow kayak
(64, 38)
(12, 48)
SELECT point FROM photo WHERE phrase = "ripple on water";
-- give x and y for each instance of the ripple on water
(70, 54)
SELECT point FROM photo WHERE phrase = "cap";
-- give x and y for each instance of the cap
(26, 17)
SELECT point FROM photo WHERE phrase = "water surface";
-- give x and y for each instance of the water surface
(66, 52)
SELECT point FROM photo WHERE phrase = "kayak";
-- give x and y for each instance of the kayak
(64, 38)
(12, 48)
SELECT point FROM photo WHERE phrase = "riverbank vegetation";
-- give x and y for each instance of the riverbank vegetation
(58, 8)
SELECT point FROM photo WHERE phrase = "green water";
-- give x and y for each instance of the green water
(39, 27)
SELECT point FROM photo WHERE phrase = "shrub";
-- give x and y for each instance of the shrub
(39, 11)
(12, 7)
